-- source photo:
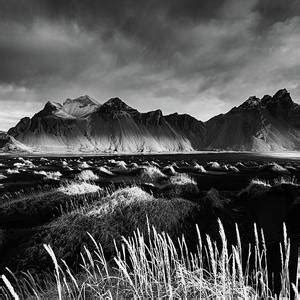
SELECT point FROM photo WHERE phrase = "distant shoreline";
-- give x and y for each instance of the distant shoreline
(275, 154)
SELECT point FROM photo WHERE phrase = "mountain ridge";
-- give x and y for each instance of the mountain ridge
(83, 125)
(266, 124)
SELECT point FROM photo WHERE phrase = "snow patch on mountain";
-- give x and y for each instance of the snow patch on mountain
(80, 107)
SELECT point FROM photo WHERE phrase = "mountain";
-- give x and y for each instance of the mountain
(191, 128)
(80, 107)
(53, 129)
(267, 124)
(9, 144)
(83, 125)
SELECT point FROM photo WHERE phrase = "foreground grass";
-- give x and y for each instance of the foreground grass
(157, 267)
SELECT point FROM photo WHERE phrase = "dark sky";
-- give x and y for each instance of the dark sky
(191, 56)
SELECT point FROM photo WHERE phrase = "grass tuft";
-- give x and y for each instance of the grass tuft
(156, 266)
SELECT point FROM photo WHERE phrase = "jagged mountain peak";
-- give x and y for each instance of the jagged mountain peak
(284, 98)
(154, 117)
(50, 105)
(183, 117)
(84, 100)
(117, 104)
(280, 101)
(251, 102)
(80, 107)
(282, 93)
(271, 123)
(281, 97)
(116, 108)
(50, 108)
(156, 112)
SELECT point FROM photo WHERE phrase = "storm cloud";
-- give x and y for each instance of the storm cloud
(190, 56)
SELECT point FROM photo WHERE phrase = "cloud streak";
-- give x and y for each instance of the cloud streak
(197, 57)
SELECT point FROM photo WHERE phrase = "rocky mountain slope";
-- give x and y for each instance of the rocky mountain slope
(267, 124)
(9, 144)
(83, 125)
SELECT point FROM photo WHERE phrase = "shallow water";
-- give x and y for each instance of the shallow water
(196, 155)
(202, 156)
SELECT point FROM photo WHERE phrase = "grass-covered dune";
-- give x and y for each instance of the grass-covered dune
(107, 219)
(38, 208)
(80, 215)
